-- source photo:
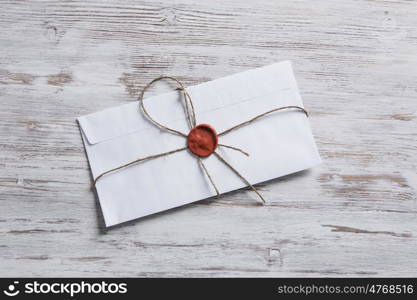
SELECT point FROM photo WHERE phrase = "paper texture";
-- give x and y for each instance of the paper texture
(278, 144)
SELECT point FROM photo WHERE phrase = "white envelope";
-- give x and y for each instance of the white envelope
(279, 144)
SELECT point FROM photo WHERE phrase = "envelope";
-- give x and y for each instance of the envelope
(279, 144)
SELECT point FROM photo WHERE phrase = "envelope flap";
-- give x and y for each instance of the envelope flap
(168, 109)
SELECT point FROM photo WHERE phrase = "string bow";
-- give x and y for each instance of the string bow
(202, 140)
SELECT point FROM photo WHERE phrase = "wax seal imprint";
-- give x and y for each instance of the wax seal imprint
(202, 140)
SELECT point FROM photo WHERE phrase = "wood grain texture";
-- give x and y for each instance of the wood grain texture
(356, 66)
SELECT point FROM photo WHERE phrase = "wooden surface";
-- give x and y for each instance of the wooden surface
(356, 66)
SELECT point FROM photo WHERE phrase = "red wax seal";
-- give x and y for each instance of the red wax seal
(202, 140)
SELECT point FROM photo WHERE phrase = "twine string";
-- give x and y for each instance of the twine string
(189, 108)
(234, 148)
(192, 122)
(192, 107)
(145, 112)
(203, 166)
